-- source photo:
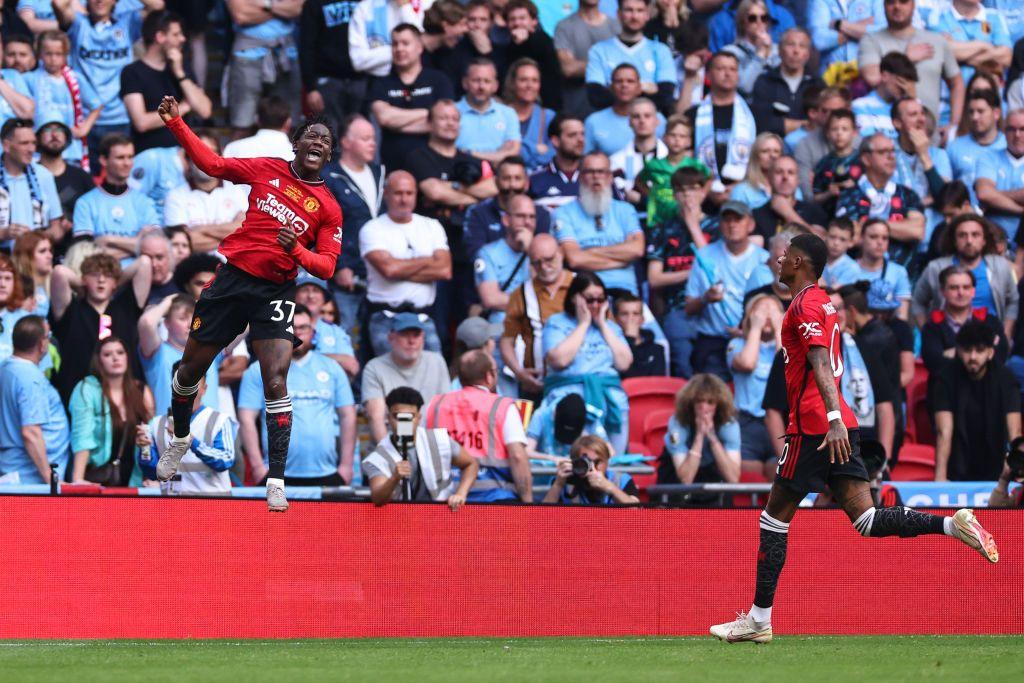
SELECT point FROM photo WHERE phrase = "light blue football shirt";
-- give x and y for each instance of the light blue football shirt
(318, 387)
(716, 264)
(488, 130)
(98, 213)
(27, 398)
(620, 221)
(99, 52)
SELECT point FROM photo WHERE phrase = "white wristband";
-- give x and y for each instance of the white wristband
(833, 415)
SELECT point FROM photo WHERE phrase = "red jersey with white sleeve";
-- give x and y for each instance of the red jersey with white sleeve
(811, 321)
(277, 197)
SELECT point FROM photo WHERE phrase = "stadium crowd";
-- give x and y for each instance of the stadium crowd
(539, 201)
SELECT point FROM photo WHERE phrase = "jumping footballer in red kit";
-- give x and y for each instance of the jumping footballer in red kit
(823, 446)
(290, 211)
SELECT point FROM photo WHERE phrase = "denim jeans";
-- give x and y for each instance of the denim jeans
(709, 356)
(680, 330)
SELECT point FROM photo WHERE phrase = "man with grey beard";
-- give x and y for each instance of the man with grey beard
(207, 208)
(599, 233)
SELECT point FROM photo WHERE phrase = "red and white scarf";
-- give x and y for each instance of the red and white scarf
(76, 100)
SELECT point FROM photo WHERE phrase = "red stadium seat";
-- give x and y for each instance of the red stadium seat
(655, 427)
(919, 424)
(646, 394)
(638, 447)
(916, 463)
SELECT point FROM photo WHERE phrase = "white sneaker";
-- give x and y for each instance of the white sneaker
(742, 630)
(969, 530)
(167, 466)
(276, 502)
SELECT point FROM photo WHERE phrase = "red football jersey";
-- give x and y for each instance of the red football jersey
(278, 197)
(811, 321)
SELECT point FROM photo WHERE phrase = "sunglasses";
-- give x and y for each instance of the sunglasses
(756, 18)
(595, 299)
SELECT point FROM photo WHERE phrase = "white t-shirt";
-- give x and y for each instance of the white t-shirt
(265, 143)
(188, 207)
(364, 180)
(418, 238)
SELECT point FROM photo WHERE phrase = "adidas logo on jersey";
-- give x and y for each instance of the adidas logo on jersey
(275, 182)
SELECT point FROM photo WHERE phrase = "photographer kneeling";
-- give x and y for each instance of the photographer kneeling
(584, 478)
(1013, 470)
(412, 463)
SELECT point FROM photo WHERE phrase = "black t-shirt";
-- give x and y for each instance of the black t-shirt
(71, 184)
(882, 388)
(454, 61)
(877, 336)
(429, 87)
(721, 117)
(462, 168)
(979, 410)
(139, 77)
(775, 397)
(158, 293)
(79, 329)
(648, 357)
(768, 223)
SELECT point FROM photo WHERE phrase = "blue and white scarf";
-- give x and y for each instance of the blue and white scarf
(881, 201)
(34, 190)
(856, 383)
(741, 139)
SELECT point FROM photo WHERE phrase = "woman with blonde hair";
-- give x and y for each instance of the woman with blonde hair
(597, 486)
(33, 256)
(755, 191)
(522, 93)
(754, 47)
(702, 443)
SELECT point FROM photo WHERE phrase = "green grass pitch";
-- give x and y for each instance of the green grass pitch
(794, 658)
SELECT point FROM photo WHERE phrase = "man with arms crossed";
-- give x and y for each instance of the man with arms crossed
(820, 423)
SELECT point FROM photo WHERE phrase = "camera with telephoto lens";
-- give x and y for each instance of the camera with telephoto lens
(581, 467)
(1015, 458)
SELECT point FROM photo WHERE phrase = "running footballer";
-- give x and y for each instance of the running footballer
(289, 212)
(822, 445)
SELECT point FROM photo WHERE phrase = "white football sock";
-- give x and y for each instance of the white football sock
(275, 482)
(761, 615)
(948, 527)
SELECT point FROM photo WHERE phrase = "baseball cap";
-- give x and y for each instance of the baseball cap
(407, 321)
(570, 418)
(736, 207)
(475, 331)
(882, 296)
(305, 278)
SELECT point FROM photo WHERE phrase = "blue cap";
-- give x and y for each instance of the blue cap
(882, 296)
(408, 321)
(305, 278)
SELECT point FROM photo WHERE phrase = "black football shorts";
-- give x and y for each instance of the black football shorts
(804, 469)
(234, 299)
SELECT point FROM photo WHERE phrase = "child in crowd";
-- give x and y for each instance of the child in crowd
(840, 266)
(840, 168)
(655, 180)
